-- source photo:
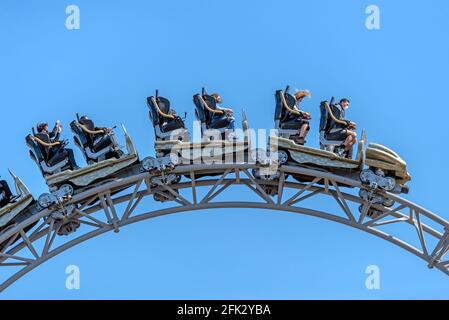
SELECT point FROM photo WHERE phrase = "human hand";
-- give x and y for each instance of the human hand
(58, 126)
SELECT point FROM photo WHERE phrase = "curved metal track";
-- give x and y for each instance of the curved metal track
(98, 208)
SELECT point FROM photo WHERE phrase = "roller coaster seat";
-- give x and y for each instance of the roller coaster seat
(286, 124)
(95, 147)
(210, 120)
(165, 123)
(5, 194)
(325, 128)
(49, 161)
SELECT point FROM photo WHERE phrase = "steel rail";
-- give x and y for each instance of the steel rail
(99, 199)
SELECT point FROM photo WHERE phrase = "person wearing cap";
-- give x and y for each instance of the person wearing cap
(53, 137)
(343, 132)
(5, 194)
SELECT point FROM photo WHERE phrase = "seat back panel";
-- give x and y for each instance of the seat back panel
(199, 110)
(83, 138)
(154, 115)
(35, 148)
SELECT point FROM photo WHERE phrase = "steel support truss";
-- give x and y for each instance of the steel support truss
(24, 253)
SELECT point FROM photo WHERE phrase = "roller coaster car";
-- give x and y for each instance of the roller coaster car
(218, 142)
(17, 210)
(375, 166)
(172, 139)
(95, 145)
(64, 182)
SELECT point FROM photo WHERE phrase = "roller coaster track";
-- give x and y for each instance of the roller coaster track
(113, 205)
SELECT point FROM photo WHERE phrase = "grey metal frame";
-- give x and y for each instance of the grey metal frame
(328, 145)
(285, 133)
(185, 198)
(51, 169)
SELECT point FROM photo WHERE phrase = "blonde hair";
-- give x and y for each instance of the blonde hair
(302, 93)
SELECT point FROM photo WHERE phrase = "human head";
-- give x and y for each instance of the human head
(300, 94)
(84, 117)
(217, 97)
(42, 126)
(344, 102)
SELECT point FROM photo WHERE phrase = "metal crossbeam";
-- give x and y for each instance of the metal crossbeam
(296, 195)
(441, 249)
(112, 218)
(260, 190)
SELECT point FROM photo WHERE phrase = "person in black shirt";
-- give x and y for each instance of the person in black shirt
(56, 149)
(344, 132)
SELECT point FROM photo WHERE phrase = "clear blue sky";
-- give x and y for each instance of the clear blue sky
(396, 78)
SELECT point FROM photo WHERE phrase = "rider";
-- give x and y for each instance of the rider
(299, 116)
(53, 137)
(100, 137)
(229, 112)
(342, 132)
(5, 194)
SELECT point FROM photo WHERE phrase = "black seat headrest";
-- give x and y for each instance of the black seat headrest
(154, 115)
(39, 151)
(324, 117)
(164, 104)
(199, 110)
(43, 136)
(281, 111)
(81, 138)
(29, 140)
(88, 123)
(211, 103)
(291, 101)
(74, 126)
